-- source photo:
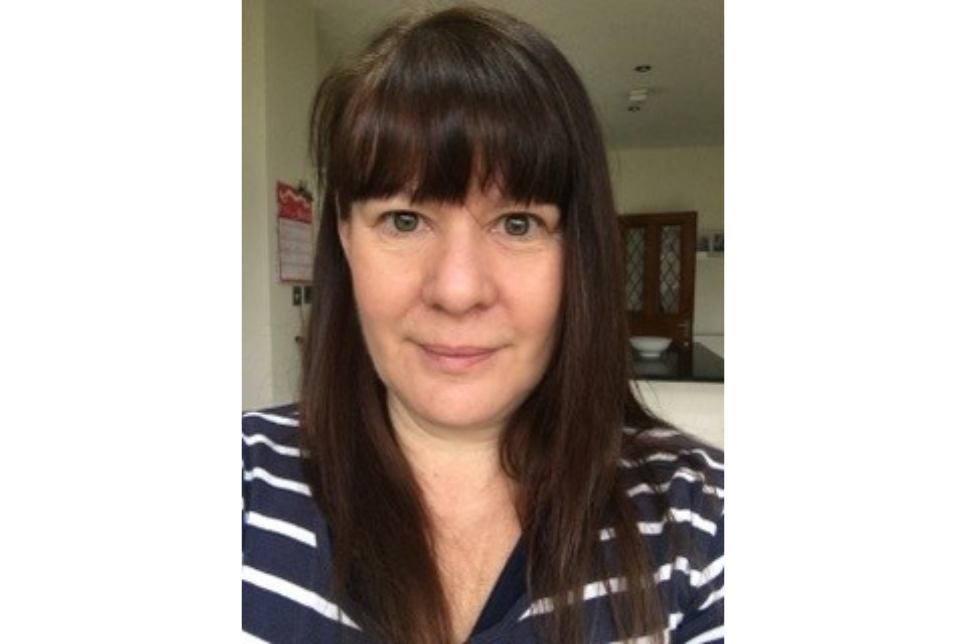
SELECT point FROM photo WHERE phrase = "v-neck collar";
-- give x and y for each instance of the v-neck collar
(510, 587)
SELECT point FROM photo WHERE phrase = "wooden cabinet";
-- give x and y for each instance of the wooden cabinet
(659, 262)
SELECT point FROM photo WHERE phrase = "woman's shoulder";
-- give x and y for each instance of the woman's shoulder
(286, 553)
(279, 422)
(674, 478)
(270, 447)
(665, 455)
(676, 482)
(274, 429)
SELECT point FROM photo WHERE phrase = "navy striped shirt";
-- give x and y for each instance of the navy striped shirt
(287, 558)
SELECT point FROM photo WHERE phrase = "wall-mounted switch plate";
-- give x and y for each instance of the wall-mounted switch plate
(297, 296)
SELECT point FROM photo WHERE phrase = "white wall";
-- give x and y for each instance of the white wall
(280, 72)
(670, 179)
(709, 282)
(256, 270)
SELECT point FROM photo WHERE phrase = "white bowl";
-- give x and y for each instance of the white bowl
(650, 346)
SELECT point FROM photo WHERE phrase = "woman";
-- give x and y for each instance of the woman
(469, 462)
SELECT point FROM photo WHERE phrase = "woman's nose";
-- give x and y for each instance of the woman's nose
(459, 276)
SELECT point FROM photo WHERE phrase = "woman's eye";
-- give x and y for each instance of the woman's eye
(517, 225)
(403, 221)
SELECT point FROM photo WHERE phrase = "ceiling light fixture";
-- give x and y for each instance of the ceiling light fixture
(636, 98)
(638, 95)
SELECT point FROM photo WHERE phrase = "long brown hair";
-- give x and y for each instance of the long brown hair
(433, 103)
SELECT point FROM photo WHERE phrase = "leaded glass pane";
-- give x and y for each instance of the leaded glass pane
(634, 269)
(670, 269)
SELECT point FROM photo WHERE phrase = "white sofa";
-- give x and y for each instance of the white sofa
(695, 407)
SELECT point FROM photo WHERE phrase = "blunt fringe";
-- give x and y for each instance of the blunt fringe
(436, 102)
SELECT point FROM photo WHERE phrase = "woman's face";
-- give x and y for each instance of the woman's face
(458, 303)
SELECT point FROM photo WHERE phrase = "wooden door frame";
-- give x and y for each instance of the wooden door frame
(652, 251)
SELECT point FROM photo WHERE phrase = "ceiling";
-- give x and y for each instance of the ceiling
(682, 41)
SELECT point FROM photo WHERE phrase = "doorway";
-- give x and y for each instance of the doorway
(659, 263)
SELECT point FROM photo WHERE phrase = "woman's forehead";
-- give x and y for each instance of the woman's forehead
(492, 194)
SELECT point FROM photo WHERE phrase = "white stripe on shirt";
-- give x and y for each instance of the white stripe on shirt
(707, 457)
(277, 481)
(697, 578)
(708, 636)
(272, 418)
(619, 584)
(284, 450)
(670, 458)
(712, 598)
(657, 527)
(297, 594)
(685, 473)
(280, 527)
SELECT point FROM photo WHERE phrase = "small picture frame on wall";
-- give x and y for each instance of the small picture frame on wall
(703, 244)
(717, 242)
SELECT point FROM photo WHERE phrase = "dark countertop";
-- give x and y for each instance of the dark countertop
(694, 364)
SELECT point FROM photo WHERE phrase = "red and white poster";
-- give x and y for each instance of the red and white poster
(294, 234)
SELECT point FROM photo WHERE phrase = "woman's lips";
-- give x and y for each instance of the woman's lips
(456, 359)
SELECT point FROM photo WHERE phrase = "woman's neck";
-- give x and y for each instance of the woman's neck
(471, 503)
(459, 470)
